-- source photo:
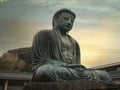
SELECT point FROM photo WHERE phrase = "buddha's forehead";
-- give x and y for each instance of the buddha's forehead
(67, 14)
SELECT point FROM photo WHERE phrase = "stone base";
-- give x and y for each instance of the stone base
(72, 86)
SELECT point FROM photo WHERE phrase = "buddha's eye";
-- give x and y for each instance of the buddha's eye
(65, 18)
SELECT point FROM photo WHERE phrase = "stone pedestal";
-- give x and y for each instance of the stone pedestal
(72, 86)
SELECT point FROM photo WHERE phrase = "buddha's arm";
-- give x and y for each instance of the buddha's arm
(41, 50)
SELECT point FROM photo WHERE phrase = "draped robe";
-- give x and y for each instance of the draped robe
(49, 62)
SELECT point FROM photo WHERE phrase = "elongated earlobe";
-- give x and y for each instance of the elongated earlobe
(54, 24)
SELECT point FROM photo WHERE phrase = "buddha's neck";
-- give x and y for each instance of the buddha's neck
(61, 32)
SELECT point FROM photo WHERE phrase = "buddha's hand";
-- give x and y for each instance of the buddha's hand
(76, 66)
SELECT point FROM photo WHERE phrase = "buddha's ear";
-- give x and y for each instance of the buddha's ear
(54, 23)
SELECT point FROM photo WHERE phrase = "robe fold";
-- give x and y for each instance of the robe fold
(46, 48)
(50, 64)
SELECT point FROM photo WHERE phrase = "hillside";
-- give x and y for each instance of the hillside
(18, 60)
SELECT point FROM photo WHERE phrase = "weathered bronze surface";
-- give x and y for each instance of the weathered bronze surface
(56, 55)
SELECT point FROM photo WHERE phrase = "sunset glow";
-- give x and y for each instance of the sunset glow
(3, 0)
(96, 27)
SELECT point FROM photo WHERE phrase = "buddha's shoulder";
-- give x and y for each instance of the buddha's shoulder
(44, 32)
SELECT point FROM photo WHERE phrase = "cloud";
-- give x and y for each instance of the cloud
(5, 39)
(96, 27)
(87, 11)
(109, 51)
(16, 34)
(101, 59)
(98, 47)
(94, 13)
(18, 29)
(3, 1)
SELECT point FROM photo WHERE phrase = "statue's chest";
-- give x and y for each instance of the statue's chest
(67, 49)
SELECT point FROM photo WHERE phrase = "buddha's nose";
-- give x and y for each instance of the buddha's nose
(69, 22)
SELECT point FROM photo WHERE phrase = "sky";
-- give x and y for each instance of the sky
(96, 27)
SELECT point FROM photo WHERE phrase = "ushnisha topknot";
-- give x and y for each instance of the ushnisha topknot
(63, 10)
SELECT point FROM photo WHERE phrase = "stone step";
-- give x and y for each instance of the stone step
(72, 86)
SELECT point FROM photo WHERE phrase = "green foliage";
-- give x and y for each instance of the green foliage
(28, 68)
(22, 53)
(4, 65)
(18, 60)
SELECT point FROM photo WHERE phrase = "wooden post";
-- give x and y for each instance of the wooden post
(6, 85)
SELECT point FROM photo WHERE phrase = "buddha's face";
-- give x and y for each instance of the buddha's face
(65, 22)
